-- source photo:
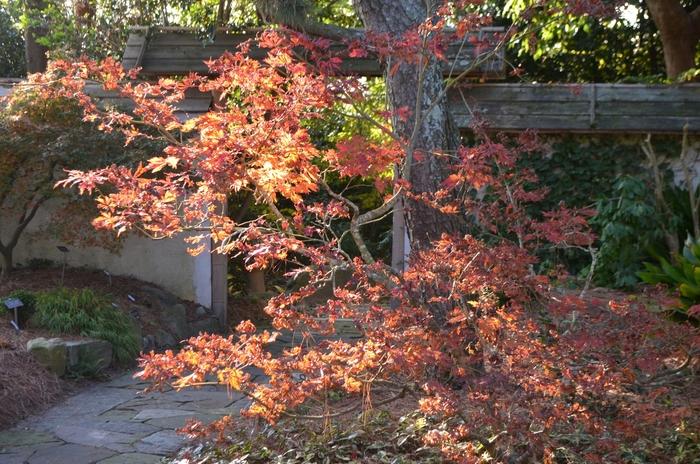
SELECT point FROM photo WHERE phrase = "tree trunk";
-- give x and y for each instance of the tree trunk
(395, 17)
(256, 282)
(35, 53)
(679, 31)
(7, 261)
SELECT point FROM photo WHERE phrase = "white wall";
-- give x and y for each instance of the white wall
(165, 263)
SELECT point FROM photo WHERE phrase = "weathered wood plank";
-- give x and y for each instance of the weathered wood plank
(519, 123)
(582, 92)
(486, 108)
(580, 107)
(136, 45)
(652, 93)
(653, 123)
(178, 52)
(648, 109)
(548, 110)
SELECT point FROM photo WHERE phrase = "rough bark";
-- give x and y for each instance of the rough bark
(679, 31)
(34, 52)
(7, 262)
(434, 135)
(298, 15)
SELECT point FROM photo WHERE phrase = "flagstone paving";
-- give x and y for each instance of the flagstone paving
(113, 423)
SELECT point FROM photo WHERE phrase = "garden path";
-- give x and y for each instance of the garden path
(113, 423)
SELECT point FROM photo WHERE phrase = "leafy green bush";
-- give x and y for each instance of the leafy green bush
(683, 274)
(629, 225)
(86, 313)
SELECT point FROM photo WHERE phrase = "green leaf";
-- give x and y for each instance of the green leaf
(690, 291)
(672, 272)
(689, 255)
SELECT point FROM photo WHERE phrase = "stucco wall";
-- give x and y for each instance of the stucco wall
(162, 262)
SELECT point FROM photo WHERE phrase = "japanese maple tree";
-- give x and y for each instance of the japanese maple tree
(499, 361)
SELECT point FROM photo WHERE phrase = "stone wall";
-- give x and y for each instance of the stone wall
(165, 263)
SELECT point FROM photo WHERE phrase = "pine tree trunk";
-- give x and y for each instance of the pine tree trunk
(395, 17)
(679, 31)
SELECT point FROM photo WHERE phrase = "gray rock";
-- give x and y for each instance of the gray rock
(59, 355)
(174, 320)
(98, 352)
(49, 353)
(149, 343)
(208, 325)
(158, 297)
(164, 339)
(201, 311)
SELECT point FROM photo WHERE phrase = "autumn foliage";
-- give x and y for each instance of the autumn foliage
(506, 367)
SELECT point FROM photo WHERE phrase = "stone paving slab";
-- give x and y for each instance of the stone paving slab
(69, 454)
(132, 458)
(113, 423)
(164, 443)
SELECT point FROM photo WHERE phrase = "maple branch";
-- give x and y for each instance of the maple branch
(354, 223)
(391, 399)
(654, 379)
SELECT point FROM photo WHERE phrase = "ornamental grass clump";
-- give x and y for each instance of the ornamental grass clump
(86, 313)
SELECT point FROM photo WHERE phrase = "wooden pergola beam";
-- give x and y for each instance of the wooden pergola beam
(178, 51)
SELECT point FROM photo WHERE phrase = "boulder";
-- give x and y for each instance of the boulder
(59, 355)
(208, 325)
(164, 340)
(174, 320)
(157, 297)
(91, 351)
(51, 354)
(201, 311)
(149, 344)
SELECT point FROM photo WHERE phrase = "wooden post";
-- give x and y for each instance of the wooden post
(219, 283)
(219, 287)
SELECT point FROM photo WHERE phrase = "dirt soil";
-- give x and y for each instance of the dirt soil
(117, 287)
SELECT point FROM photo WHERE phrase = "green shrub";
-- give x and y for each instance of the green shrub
(86, 313)
(683, 274)
(629, 225)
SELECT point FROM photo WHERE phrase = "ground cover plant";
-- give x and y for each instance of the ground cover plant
(89, 314)
(499, 365)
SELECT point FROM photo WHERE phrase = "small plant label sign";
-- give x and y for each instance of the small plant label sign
(13, 303)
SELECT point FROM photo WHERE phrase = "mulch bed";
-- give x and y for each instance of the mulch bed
(25, 386)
